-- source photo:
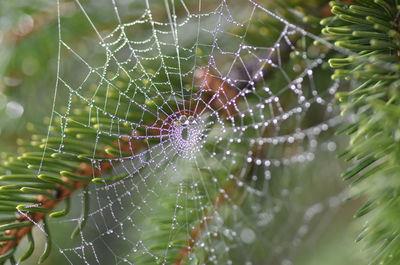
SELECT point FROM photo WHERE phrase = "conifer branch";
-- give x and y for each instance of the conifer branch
(371, 29)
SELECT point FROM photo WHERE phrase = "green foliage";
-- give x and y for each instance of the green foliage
(371, 30)
(368, 28)
(27, 195)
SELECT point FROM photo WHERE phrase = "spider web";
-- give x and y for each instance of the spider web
(211, 109)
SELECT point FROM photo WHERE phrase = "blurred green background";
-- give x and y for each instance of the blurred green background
(28, 59)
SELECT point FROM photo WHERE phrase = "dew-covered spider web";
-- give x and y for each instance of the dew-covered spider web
(209, 125)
